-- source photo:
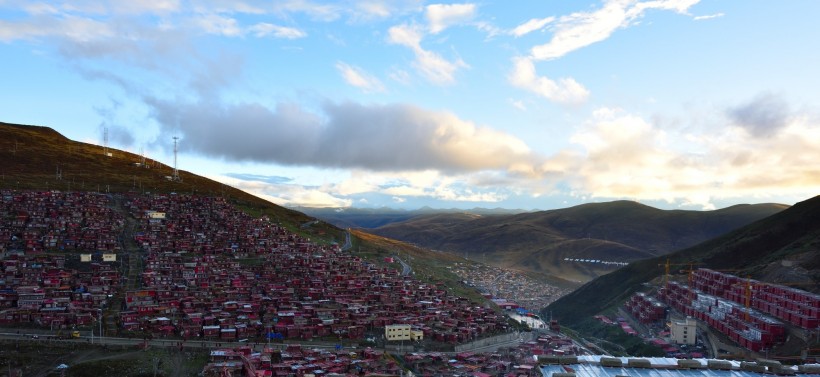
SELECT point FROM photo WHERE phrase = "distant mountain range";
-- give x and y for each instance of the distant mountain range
(375, 217)
(782, 248)
(577, 243)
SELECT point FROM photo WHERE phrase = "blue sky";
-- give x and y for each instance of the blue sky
(691, 104)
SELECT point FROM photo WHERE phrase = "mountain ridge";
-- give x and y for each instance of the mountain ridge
(754, 250)
(619, 231)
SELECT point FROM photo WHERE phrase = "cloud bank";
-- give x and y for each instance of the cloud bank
(406, 151)
(343, 135)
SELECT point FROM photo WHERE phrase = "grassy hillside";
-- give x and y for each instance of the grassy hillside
(620, 231)
(31, 156)
(757, 250)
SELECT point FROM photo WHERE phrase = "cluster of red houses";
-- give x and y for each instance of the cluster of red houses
(300, 361)
(37, 287)
(213, 271)
(747, 327)
(646, 309)
(51, 220)
(795, 306)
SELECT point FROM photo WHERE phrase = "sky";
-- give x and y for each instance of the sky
(690, 104)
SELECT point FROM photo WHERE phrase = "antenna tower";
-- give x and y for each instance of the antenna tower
(176, 172)
(105, 141)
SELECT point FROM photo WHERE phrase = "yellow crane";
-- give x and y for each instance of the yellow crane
(667, 266)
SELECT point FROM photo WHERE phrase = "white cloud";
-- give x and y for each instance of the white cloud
(264, 29)
(708, 16)
(488, 28)
(145, 6)
(400, 76)
(286, 194)
(442, 16)
(374, 8)
(531, 26)
(319, 12)
(564, 90)
(218, 25)
(405, 35)
(229, 27)
(518, 104)
(366, 10)
(431, 65)
(360, 181)
(429, 184)
(40, 9)
(575, 31)
(71, 28)
(357, 77)
(582, 29)
(622, 155)
(106, 7)
(437, 69)
(406, 191)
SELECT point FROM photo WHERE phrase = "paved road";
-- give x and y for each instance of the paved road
(348, 244)
(309, 224)
(46, 337)
(405, 268)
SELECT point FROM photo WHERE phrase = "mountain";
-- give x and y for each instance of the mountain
(35, 157)
(376, 217)
(39, 158)
(562, 242)
(782, 248)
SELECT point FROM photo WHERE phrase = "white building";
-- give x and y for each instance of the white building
(684, 332)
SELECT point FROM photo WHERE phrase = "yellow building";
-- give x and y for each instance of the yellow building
(402, 332)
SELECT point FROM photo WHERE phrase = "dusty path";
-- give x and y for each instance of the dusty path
(130, 266)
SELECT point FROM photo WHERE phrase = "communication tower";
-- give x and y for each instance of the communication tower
(176, 172)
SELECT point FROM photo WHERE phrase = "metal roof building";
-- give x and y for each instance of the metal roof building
(591, 366)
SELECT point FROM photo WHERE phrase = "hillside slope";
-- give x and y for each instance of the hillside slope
(757, 250)
(552, 241)
(39, 158)
(34, 157)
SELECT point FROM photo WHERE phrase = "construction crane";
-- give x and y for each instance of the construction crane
(667, 266)
(747, 293)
